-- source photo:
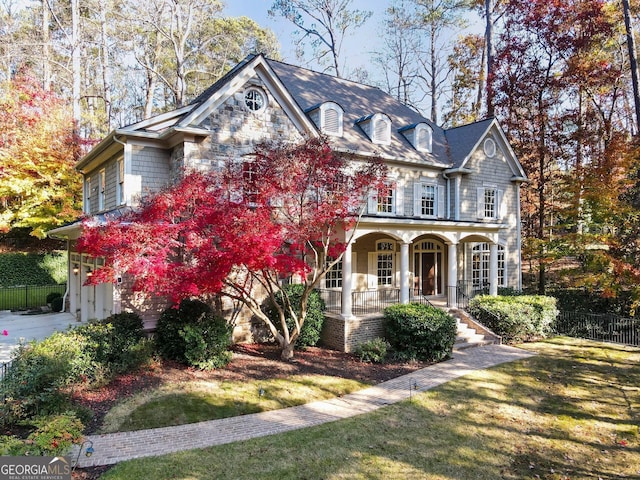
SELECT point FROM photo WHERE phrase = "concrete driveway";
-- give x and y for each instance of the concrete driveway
(29, 327)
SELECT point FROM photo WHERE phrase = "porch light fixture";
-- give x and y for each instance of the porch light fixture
(89, 272)
(76, 269)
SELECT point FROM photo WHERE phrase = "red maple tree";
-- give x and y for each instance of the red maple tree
(239, 231)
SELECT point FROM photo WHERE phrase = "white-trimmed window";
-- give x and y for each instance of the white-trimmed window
(489, 202)
(388, 200)
(333, 278)
(120, 182)
(481, 265)
(255, 99)
(489, 147)
(385, 251)
(428, 199)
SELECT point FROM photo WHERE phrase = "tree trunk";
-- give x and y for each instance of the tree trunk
(633, 61)
(287, 351)
(46, 48)
(75, 62)
(488, 36)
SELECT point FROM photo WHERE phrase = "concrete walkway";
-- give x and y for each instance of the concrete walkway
(117, 447)
(22, 327)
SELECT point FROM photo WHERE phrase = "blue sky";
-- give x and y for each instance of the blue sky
(353, 51)
(357, 49)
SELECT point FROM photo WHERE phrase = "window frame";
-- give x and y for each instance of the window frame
(481, 265)
(250, 103)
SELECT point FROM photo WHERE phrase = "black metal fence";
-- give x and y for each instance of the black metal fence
(600, 327)
(27, 296)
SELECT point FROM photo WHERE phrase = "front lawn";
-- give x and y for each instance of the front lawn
(197, 401)
(571, 412)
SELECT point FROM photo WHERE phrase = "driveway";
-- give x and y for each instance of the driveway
(29, 327)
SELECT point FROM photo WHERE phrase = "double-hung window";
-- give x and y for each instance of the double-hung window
(384, 200)
(489, 202)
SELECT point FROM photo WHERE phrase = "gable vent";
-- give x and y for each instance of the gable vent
(331, 121)
(382, 132)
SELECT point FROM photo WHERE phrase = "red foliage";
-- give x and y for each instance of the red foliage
(281, 212)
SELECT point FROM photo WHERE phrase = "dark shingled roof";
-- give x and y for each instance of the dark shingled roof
(358, 101)
(462, 139)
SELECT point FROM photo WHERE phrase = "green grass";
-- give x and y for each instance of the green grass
(571, 412)
(191, 402)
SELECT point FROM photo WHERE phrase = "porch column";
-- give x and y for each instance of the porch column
(452, 275)
(404, 273)
(346, 302)
(493, 269)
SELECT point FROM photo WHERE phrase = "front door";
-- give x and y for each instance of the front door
(428, 268)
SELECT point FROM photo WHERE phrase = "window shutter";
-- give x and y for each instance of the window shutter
(417, 199)
(372, 273)
(441, 207)
(480, 206)
(399, 200)
(500, 209)
(373, 203)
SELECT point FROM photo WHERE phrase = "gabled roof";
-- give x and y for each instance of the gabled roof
(464, 140)
(299, 91)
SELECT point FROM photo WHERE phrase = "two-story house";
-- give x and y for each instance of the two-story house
(448, 222)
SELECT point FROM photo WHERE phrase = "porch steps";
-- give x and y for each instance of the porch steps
(471, 333)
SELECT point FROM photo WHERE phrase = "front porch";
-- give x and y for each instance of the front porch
(367, 307)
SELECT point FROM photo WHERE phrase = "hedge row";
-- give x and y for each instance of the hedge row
(516, 318)
(33, 269)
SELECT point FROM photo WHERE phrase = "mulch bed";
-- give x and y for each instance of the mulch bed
(250, 362)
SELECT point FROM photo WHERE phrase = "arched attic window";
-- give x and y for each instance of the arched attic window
(328, 118)
(377, 127)
(420, 136)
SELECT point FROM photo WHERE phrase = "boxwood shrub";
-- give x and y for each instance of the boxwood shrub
(192, 334)
(516, 319)
(312, 326)
(421, 332)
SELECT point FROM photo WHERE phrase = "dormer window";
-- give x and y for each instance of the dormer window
(377, 127)
(328, 118)
(420, 136)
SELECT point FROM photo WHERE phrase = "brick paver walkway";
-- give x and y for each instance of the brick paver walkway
(117, 447)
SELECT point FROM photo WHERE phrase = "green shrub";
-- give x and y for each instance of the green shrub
(53, 436)
(193, 335)
(116, 344)
(53, 295)
(39, 376)
(39, 372)
(314, 320)
(516, 319)
(421, 332)
(207, 343)
(57, 304)
(373, 351)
